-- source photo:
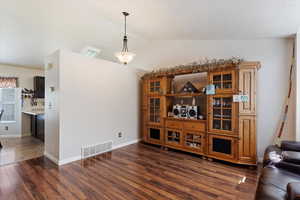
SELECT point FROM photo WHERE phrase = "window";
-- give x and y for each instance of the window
(8, 104)
(8, 91)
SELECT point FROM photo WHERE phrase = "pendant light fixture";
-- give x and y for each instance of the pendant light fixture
(125, 56)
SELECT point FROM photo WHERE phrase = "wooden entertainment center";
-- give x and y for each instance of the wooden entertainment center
(224, 129)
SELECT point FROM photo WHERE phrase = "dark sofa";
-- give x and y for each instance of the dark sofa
(280, 179)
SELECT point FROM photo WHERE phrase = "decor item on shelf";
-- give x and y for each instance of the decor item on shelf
(184, 111)
(176, 111)
(170, 114)
(172, 87)
(193, 112)
(194, 101)
(210, 89)
(189, 87)
(125, 56)
(203, 65)
(240, 98)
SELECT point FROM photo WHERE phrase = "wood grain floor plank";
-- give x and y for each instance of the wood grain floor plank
(135, 172)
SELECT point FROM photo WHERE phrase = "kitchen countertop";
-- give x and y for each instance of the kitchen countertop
(33, 112)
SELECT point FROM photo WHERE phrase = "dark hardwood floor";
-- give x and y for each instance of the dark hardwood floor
(137, 171)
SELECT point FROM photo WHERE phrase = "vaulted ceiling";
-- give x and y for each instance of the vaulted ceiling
(31, 29)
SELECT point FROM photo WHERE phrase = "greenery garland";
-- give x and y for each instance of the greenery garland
(195, 67)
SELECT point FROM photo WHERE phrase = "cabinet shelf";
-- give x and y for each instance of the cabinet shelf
(185, 95)
(185, 119)
(172, 137)
(224, 108)
(194, 141)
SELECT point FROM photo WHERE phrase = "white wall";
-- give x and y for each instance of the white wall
(97, 99)
(274, 55)
(25, 74)
(297, 46)
(25, 77)
(52, 107)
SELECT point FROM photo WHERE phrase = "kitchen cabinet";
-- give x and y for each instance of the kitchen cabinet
(37, 123)
(39, 87)
(38, 126)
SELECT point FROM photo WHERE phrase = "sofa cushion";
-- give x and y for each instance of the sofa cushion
(277, 177)
(287, 166)
(291, 156)
(293, 191)
(290, 146)
(269, 192)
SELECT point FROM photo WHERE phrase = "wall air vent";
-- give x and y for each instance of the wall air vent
(95, 149)
(90, 51)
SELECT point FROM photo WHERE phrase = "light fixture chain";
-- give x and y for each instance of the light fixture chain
(125, 26)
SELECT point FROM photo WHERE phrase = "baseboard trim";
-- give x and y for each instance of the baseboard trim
(126, 144)
(69, 160)
(26, 134)
(76, 158)
(51, 157)
(10, 136)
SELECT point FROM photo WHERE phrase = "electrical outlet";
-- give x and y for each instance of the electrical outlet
(120, 135)
(6, 128)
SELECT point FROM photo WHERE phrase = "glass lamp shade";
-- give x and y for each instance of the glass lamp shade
(125, 57)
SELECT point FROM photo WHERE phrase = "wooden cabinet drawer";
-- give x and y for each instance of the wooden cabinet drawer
(196, 126)
(174, 124)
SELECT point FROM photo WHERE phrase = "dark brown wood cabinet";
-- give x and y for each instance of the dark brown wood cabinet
(39, 87)
(227, 129)
(38, 126)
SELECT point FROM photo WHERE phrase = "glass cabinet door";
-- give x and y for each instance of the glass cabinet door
(217, 81)
(154, 86)
(227, 81)
(194, 141)
(222, 113)
(154, 110)
(223, 81)
(173, 137)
